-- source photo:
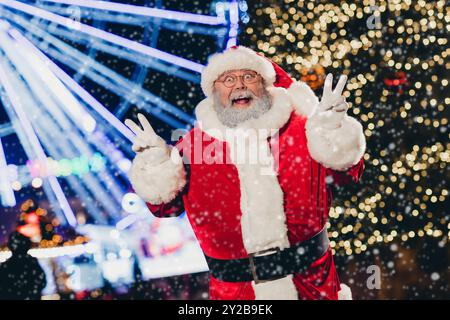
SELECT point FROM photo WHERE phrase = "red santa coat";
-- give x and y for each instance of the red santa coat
(235, 210)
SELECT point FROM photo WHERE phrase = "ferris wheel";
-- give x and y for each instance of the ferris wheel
(46, 48)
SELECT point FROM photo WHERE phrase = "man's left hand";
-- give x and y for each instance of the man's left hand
(332, 107)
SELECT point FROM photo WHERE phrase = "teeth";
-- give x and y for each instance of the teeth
(240, 99)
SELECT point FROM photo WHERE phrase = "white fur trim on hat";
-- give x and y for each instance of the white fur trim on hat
(234, 59)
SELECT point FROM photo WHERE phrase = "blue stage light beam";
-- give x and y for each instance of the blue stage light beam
(142, 11)
(108, 117)
(74, 182)
(234, 24)
(37, 80)
(104, 118)
(105, 16)
(75, 87)
(113, 86)
(150, 37)
(30, 153)
(38, 77)
(101, 34)
(31, 136)
(6, 191)
(6, 129)
(46, 133)
(117, 83)
(100, 45)
(133, 20)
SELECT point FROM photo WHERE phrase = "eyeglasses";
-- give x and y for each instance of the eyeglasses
(248, 78)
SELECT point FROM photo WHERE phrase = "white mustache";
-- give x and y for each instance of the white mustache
(241, 95)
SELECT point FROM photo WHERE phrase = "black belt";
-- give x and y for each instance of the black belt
(275, 265)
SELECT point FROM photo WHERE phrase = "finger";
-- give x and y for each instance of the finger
(136, 148)
(338, 100)
(143, 143)
(146, 125)
(133, 127)
(331, 103)
(341, 107)
(327, 86)
(139, 144)
(340, 86)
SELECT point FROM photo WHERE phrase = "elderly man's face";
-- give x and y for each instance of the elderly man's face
(238, 88)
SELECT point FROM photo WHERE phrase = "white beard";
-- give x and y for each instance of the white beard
(231, 116)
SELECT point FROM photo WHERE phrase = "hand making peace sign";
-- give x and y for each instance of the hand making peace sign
(145, 137)
(332, 107)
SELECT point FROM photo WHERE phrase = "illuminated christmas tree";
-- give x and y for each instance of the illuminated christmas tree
(396, 56)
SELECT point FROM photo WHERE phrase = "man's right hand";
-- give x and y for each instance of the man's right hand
(145, 137)
(147, 140)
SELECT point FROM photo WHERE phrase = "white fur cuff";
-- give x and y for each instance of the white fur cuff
(159, 183)
(337, 149)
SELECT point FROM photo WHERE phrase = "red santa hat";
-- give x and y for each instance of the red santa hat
(240, 57)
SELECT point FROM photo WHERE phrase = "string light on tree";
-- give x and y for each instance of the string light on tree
(397, 87)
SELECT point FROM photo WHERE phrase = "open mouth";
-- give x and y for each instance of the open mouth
(241, 101)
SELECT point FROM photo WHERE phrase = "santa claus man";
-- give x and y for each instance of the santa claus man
(260, 223)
